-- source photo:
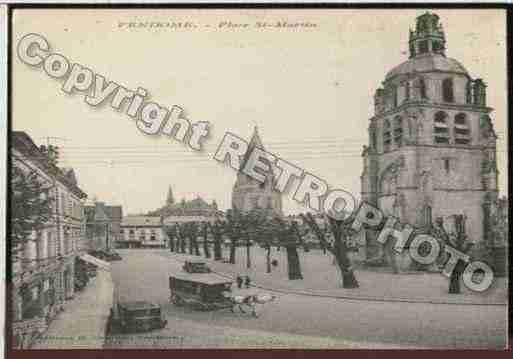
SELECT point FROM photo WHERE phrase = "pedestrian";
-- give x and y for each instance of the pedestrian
(239, 282)
(247, 282)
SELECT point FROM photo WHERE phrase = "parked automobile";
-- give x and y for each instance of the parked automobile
(136, 316)
(114, 256)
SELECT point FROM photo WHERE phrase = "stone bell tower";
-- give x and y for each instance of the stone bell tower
(432, 146)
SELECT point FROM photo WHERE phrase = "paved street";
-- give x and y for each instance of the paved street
(297, 321)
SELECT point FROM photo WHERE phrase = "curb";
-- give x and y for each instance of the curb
(353, 298)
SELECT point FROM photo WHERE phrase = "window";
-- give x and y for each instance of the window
(422, 88)
(468, 92)
(447, 165)
(63, 204)
(398, 131)
(70, 205)
(447, 90)
(153, 235)
(461, 129)
(387, 140)
(440, 129)
(49, 245)
(407, 90)
(394, 96)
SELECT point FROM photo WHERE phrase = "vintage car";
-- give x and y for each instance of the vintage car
(137, 316)
(202, 291)
(195, 266)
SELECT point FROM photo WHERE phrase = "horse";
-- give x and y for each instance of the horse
(250, 300)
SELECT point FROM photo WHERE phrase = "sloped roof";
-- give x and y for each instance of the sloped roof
(23, 143)
(185, 219)
(140, 221)
(255, 142)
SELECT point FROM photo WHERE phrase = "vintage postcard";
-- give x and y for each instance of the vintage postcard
(258, 178)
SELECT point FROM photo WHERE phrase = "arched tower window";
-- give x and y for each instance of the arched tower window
(387, 138)
(388, 183)
(461, 129)
(393, 89)
(422, 88)
(447, 90)
(398, 130)
(440, 128)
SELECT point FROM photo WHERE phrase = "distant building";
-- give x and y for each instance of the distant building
(248, 193)
(432, 146)
(141, 232)
(103, 224)
(195, 207)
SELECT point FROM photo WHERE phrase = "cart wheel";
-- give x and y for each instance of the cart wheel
(146, 327)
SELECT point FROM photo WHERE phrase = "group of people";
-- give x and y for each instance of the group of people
(243, 280)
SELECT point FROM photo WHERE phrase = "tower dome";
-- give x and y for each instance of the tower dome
(429, 63)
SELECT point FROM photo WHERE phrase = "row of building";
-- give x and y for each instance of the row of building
(43, 270)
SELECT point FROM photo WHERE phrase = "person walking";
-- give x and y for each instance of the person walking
(239, 281)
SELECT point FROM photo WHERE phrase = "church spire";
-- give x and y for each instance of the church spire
(170, 199)
(428, 36)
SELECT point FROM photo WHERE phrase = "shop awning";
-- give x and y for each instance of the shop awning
(96, 261)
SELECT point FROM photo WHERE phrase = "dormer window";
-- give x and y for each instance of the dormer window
(461, 129)
(440, 128)
(447, 90)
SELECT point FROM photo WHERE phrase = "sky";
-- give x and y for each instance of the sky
(309, 91)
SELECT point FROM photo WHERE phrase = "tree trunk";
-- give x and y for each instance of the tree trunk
(454, 280)
(294, 267)
(390, 257)
(268, 259)
(340, 253)
(196, 246)
(233, 248)
(206, 251)
(248, 253)
(218, 251)
(191, 246)
(171, 244)
(184, 245)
